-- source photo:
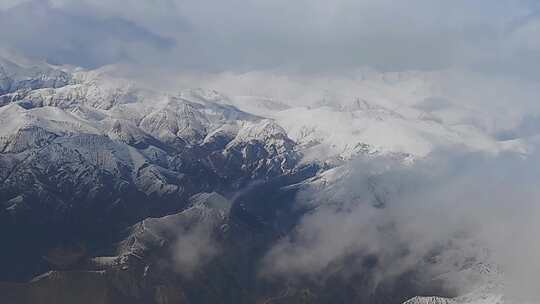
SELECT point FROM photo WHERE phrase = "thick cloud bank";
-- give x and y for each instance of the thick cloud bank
(475, 207)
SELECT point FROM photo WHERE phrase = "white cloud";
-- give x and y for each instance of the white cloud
(11, 3)
(472, 201)
(193, 249)
(318, 35)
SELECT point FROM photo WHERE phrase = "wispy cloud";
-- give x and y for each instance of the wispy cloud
(37, 29)
(473, 201)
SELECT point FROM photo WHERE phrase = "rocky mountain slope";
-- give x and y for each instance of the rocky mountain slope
(111, 193)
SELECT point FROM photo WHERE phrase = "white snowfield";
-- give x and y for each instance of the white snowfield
(91, 102)
(405, 116)
(475, 298)
(396, 114)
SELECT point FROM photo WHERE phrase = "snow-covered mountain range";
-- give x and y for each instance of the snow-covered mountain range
(83, 154)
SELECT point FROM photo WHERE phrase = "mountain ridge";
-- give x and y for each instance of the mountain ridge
(89, 162)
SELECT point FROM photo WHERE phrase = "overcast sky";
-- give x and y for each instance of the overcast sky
(305, 35)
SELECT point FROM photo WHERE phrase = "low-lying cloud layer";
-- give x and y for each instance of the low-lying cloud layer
(473, 206)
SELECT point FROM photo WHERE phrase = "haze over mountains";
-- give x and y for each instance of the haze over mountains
(269, 152)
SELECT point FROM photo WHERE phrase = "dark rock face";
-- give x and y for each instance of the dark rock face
(83, 159)
(71, 187)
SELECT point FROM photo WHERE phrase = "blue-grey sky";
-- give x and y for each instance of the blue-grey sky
(307, 35)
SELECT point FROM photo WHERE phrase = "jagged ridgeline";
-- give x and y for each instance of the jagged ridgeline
(111, 193)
